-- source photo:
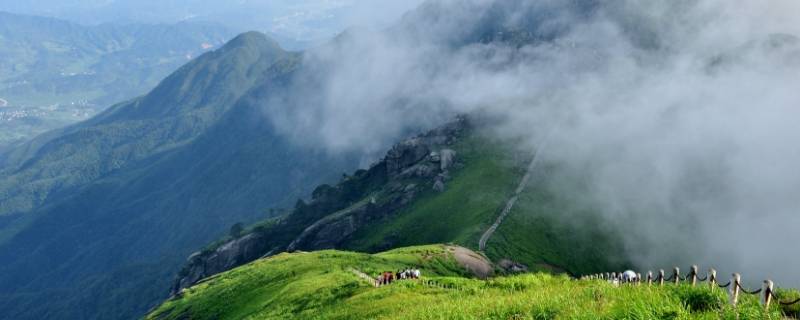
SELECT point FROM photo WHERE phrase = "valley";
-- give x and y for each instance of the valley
(58, 73)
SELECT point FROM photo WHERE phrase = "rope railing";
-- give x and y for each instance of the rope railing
(437, 284)
(751, 292)
(692, 278)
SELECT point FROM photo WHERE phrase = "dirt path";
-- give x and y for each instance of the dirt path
(510, 203)
(472, 261)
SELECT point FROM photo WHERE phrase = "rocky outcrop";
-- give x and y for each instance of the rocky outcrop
(336, 213)
(330, 232)
(230, 255)
(512, 266)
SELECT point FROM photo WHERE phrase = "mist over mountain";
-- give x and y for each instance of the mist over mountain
(655, 133)
(675, 114)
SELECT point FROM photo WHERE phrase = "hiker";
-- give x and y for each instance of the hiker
(629, 276)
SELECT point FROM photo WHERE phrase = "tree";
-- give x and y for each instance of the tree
(236, 230)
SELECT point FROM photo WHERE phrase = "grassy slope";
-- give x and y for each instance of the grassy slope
(548, 229)
(462, 212)
(535, 232)
(319, 285)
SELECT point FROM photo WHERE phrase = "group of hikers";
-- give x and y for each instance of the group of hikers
(388, 277)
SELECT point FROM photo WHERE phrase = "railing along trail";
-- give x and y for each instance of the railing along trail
(766, 292)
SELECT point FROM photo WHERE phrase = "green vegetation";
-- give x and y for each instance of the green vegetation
(320, 285)
(96, 219)
(549, 230)
(55, 73)
(469, 204)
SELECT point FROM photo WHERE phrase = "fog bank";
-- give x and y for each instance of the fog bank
(680, 115)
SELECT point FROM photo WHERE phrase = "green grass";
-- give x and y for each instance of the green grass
(319, 285)
(549, 230)
(471, 201)
(297, 284)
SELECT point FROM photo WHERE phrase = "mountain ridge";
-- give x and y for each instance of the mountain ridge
(207, 161)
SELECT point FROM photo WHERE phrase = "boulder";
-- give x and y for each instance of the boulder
(438, 186)
(447, 158)
(405, 155)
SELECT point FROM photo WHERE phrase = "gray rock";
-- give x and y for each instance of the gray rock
(421, 170)
(438, 186)
(512, 266)
(405, 155)
(226, 257)
(448, 157)
(435, 158)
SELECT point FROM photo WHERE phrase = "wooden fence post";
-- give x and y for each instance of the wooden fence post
(737, 278)
(661, 277)
(693, 274)
(649, 278)
(677, 274)
(712, 278)
(768, 286)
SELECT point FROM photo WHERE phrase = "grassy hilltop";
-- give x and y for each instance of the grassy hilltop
(322, 285)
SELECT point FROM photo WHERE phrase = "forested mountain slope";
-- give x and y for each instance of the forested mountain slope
(97, 217)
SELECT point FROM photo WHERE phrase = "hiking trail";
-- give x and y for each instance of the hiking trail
(511, 201)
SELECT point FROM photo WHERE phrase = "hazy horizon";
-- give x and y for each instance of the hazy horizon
(296, 24)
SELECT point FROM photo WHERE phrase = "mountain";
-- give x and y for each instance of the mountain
(54, 73)
(95, 212)
(448, 185)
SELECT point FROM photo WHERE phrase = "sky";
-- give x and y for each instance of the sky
(295, 22)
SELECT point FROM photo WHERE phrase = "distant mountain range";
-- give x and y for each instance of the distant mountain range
(54, 72)
(295, 23)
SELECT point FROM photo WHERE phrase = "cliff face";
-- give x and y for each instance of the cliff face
(335, 213)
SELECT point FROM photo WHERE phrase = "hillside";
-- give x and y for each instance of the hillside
(444, 186)
(322, 285)
(100, 210)
(54, 73)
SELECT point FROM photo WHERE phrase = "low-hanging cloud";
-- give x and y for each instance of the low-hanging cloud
(681, 115)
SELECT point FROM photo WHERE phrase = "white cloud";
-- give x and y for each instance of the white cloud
(680, 114)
